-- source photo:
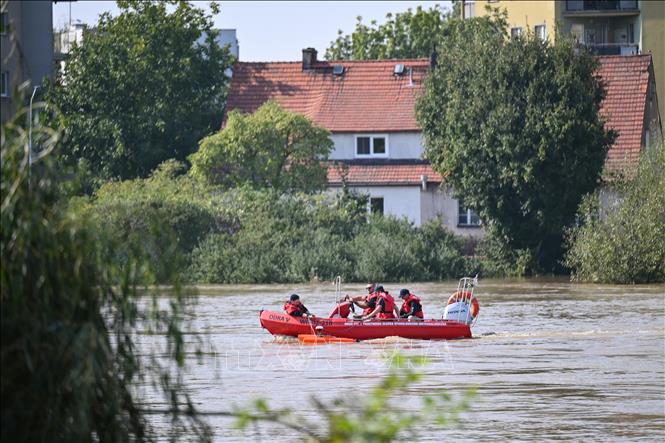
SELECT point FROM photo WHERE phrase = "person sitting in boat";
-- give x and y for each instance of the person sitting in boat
(295, 308)
(365, 301)
(380, 305)
(411, 308)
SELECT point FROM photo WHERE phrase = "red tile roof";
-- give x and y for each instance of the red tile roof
(369, 98)
(626, 80)
(366, 98)
(383, 175)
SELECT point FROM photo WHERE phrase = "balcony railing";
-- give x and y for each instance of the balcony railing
(601, 6)
(613, 48)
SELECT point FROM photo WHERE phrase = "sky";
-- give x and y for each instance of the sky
(272, 30)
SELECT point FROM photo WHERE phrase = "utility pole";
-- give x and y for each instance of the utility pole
(34, 91)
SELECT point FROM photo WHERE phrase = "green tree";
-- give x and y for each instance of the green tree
(514, 126)
(70, 317)
(404, 35)
(625, 242)
(270, 148)
(140, 89)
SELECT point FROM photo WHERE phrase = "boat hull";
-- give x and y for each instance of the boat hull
(278, 323)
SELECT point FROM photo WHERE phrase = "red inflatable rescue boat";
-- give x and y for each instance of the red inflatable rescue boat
(459, 315)
(279, 323)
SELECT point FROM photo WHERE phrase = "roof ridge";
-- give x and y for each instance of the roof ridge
(388, 60)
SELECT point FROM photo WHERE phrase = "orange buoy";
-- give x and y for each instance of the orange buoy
(465, 296)
(314, 339)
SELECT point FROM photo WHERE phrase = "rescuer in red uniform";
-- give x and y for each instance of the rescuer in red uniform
(380, 305)
(295, 308)
(411, 306)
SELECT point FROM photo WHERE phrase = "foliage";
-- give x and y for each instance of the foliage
(497, 259)
(404, 35)
(296, 238)
(70, 316)
(513, 125)
(141, 89)
(370, 418)
(270, 148)
(624, 243)
(184, 211)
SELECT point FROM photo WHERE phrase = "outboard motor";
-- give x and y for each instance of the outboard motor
(462, 305)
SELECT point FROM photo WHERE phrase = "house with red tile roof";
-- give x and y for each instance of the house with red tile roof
(369, 108)
(630, 107)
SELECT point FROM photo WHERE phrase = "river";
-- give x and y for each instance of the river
(550, 360)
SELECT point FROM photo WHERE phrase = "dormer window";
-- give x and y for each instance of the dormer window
(372, 145)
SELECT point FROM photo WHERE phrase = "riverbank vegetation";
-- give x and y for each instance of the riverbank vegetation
(71, 314)
(623, 242)
(245, 235)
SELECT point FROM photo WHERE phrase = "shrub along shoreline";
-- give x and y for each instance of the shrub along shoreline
(248, 235)
(245, 235)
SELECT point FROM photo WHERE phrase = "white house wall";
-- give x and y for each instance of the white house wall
(398, 201)
(439, 203)
(401, 145)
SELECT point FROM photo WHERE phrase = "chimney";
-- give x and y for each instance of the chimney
(308, 58)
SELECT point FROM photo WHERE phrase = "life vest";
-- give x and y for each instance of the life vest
(388, 306)
(341, 310)
(370, 297)
(406, 308)
(294, 308)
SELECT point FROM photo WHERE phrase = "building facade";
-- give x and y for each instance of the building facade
(27, 48)
(369, 108)
(607, 27)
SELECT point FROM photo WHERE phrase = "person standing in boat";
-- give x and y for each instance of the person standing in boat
(412, 308)
(295, 308)
(381, 305)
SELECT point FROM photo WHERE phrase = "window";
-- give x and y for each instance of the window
(3, 23)
(376, 205)
(466, 216)
(516, 32)
(362, 145)
(371, 145)
(631, 33)
(4, 84)
(540, 32)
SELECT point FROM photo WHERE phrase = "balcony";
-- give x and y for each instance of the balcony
(613, 48)
(605, 8)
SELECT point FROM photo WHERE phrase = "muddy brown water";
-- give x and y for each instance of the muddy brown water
(550, 360)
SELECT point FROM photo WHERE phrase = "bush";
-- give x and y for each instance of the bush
(245, 235)
(625, 243)
(182, 209)
(298, 238)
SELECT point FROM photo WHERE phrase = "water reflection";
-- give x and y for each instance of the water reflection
(551, 360)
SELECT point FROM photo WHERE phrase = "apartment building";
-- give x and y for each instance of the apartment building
(26, 34)
(607, 27)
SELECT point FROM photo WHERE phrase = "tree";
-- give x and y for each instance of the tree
(70, 318)
(404, 35)
(514, 126)
(271, 148)
(624, 243)
(141, 88)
